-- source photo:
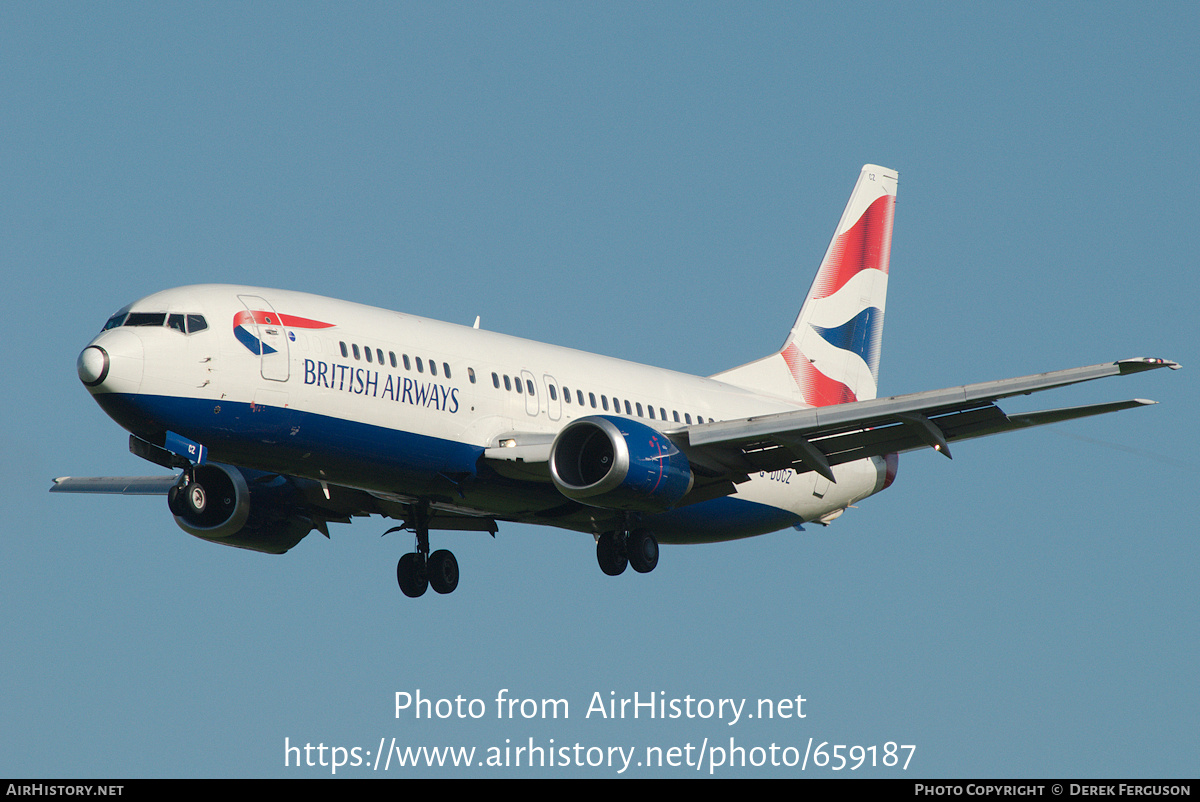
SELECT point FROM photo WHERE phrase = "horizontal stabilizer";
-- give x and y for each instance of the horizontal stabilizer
(121, 485)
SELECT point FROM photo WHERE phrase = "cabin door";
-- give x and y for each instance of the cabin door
(272, 339)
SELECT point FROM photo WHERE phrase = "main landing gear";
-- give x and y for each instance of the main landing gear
(420, 570)
(637, 548)
(415, 572)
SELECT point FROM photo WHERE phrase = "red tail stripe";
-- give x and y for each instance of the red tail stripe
(818, 389)
(858, 248)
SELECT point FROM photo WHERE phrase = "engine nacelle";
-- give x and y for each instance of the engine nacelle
(242, 508)
(619, 463)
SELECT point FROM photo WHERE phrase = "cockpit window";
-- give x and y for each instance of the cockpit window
(185, 324)
(146, 319)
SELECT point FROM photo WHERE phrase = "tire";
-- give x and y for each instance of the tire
(195, 499)
(410, 575)
(643, 551)
(610, 555)
(175, 501)
(443, 571)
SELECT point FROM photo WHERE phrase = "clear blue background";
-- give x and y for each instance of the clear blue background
(656, 182)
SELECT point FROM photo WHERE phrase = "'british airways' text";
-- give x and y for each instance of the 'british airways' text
(364, 381)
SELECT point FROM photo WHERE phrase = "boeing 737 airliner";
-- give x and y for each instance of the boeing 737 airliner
(286, 411)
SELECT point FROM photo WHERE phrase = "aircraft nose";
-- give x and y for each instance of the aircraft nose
(111, 363)
(92, 365)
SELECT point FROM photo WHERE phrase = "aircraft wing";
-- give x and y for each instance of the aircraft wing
(818, 438)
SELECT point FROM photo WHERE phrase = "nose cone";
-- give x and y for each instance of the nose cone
(112, 363)
(92, 365)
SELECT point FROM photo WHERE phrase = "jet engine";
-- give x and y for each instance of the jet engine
(239, 507)
(619, 463)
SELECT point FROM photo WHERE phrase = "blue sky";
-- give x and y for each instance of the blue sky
(657, 182)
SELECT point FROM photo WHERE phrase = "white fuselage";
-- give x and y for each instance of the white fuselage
(403, 406)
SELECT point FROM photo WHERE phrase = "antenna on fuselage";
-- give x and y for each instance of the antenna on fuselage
(476, 322)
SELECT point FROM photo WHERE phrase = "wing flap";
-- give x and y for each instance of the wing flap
(818, 438)
(957, 426)
(931, 403)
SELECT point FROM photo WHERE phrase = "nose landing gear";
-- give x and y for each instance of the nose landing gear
(196, 501)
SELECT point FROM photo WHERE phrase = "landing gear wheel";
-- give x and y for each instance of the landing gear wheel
(443, 571)
(610, 554)
(643, 551)
(195, 498)
(175, 501)
(411, 576)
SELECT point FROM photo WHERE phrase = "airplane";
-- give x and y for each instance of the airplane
(286, 411)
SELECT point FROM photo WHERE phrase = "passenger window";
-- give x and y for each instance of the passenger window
(675, 413)
(688, 417)
(604, 402)
(407, 365)
(392, 356)
(446, 371)
(420, 365)
(432, 368)
(553, 394)
(592, 397)
(662, 413)
(379, 353)
(507, 383)
(639, 408)
(495, 380)
(650, 409)
(579, 395)
(566, 394)
(369, 357)
(529, 384)
(345, 354)
(357, 355)
(470, 374)
(517, 382)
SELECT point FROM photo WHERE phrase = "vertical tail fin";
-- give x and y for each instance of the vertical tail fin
(831, 355)
(833, 349)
